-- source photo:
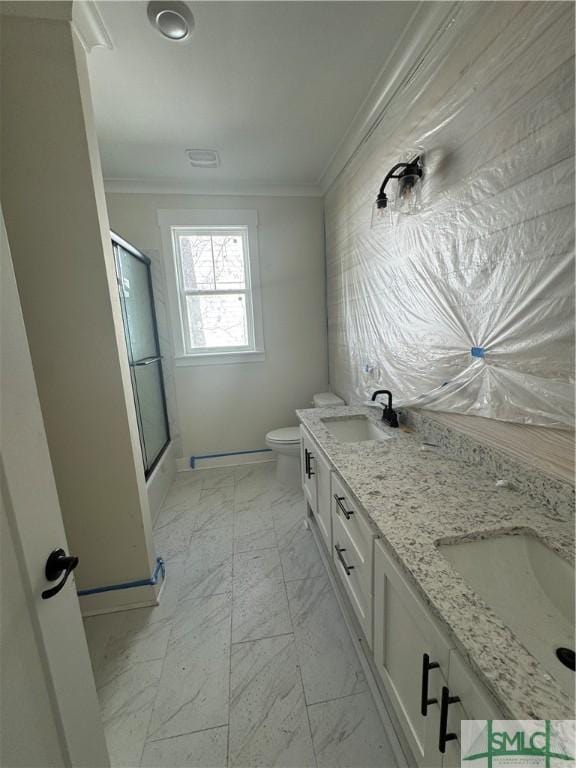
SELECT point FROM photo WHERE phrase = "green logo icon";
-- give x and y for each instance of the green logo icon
(542, 741)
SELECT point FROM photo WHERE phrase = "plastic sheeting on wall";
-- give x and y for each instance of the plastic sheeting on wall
(467, 306)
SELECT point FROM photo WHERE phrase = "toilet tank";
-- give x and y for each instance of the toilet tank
(327, 399)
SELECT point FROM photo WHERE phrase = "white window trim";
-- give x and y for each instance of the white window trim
(170, 219)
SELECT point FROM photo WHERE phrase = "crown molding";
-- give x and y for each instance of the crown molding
(89, 26)
(427, 21)
(232, 188)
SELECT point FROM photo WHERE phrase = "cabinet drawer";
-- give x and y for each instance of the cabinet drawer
(345, 510)
(354, 567)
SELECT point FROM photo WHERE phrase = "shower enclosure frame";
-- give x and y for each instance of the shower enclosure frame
(120, 242)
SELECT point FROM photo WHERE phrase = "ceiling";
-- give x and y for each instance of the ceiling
(272, 86)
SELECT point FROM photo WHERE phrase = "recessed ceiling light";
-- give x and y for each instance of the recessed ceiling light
(174, 20)
(203, 158)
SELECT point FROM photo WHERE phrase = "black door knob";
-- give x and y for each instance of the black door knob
(58, 563)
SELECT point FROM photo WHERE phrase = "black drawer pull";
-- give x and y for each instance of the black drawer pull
(427, 665)
(308, 466)
(446, 701)
(346, 512)
(347, 568)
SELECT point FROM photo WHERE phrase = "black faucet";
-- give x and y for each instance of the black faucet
(388, 413)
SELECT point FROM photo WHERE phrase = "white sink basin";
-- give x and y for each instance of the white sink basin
(529, 587)
(354, 429)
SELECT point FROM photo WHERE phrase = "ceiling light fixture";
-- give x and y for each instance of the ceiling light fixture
(174, 20)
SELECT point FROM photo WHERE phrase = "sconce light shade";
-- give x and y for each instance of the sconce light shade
(408, 199)
(380, 211)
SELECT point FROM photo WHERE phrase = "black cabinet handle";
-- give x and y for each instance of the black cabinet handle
(58, 563)
(306, 461)
(347, 568)
(346, 512)
(427, 665)
(308, 456)
(444, 736)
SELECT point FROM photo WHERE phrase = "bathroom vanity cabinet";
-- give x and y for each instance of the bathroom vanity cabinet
(419, 669)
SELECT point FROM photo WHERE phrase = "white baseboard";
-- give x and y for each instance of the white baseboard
(182, 465)
(121, 599)
(230, 460)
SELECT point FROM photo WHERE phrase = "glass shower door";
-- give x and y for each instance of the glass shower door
(136, 298)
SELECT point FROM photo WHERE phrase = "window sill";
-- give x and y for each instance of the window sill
(221, 358)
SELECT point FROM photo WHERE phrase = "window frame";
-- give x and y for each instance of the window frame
(212, 221)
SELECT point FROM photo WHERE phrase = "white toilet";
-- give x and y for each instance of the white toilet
(285, 443)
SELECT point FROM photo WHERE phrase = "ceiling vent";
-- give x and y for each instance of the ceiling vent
(203, 158)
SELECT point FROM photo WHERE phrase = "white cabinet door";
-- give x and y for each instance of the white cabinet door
(411, 656)
(308, 452)
(474, 703)
(323, 499)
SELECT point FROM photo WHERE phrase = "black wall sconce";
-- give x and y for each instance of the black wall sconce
(409, 177)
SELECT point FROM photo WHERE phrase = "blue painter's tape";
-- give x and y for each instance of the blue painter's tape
(159, 570)
(194, 459)
(478, 352)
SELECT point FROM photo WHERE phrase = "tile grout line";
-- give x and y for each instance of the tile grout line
(231, 626)
(187, 733)
(306, 578)
(266, 637)
(300, 676)
(153, 707)
(339, 698)
(306, 709)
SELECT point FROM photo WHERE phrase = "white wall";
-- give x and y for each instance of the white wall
(222, 408)
(54, 207)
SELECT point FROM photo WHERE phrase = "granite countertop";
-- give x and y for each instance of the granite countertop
(414, 498)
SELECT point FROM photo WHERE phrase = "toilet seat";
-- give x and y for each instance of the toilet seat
(284, 435)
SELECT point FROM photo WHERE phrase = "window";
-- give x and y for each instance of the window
(214, 270)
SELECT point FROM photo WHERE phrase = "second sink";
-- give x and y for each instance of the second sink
(529, 586)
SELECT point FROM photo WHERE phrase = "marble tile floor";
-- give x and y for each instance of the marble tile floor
(246, 662)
